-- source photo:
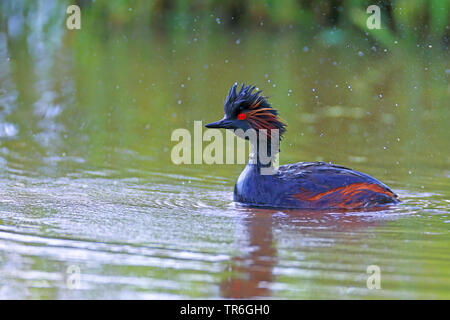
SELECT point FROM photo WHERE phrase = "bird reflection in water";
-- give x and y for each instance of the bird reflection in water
(250, 274)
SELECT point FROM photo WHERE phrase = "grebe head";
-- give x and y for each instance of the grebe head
(249, 110)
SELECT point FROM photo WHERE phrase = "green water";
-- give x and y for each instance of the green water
(86, 178)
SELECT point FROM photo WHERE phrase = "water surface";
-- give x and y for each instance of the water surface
(86, 179)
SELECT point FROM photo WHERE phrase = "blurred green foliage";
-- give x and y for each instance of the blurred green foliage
(331, 21)
(413, 20)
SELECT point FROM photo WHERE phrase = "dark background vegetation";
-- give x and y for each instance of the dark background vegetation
(414, 20)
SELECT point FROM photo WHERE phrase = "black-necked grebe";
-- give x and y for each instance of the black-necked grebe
(303, 185)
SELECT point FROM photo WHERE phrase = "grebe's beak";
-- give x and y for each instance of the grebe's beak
(223, 123)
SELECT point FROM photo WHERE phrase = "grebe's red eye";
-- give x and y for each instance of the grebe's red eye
(242, 116)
